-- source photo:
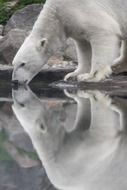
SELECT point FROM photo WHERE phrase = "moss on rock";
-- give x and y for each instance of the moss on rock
(6, 12)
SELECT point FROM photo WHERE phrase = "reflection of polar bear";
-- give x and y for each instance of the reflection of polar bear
(92, 156)
(97, 27)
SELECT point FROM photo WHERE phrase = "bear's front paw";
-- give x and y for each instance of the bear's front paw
(85, 77)
(72, 76)
(102, 74)
(120, 65)
(96, 76)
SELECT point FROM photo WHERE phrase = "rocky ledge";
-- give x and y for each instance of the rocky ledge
(50, 72)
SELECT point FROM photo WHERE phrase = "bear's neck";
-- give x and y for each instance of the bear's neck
(48, 24)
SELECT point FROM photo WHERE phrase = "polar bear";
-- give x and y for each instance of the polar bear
(92, 155)
(98, 28)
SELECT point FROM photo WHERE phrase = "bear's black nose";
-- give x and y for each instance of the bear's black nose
(15, 84)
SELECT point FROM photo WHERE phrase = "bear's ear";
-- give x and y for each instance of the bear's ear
(43, 42)
(41, 126)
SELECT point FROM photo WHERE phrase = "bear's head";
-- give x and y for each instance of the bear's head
(30, 58)
(29, 110)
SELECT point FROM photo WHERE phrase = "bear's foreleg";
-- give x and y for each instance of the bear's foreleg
(120, 64)
(105, 49)
(84, 54)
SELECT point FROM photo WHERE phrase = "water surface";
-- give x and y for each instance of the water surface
(71, 139)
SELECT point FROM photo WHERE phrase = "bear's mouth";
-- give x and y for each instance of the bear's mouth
(16, 83)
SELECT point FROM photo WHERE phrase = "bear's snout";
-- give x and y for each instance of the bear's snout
(15, 84)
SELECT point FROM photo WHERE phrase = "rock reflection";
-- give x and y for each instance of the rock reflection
(92, 153)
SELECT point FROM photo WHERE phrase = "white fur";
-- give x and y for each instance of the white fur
(97, 76)
(96, 26)
(93, 155)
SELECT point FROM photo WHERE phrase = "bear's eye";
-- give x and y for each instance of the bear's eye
(43, 128)
(43, 41)
(22, 64)
(22, 105)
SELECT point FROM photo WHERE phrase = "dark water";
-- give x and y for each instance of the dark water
(68, 140)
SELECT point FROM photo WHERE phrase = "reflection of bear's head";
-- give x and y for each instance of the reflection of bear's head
(37, 120)
(31, 112)
(28, 109)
